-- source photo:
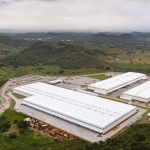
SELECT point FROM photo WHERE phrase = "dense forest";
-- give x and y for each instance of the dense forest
(135, 138)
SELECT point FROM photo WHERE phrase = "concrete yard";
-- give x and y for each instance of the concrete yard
(81, 80)
(68, 86)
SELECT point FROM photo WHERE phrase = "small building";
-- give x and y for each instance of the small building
(27, 119)
(71, 137)
(53, 82)
(5, 49)
(123, 53)
(62, 133)
(52, 132)
(57, 131)
(60, 138)
(36, 126)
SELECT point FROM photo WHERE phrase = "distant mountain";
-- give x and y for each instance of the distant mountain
(135, 33)
(126, 37)
(12, 42)
(64, 36)
(81, 36)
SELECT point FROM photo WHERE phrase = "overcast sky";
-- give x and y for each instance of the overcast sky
(102, 15)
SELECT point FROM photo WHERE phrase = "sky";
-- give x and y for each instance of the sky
(90, 15)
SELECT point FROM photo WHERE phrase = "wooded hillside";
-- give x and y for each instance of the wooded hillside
(66, 55)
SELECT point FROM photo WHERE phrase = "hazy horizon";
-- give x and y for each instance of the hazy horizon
(75, 15)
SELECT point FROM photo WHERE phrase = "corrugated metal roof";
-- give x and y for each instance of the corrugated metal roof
(117, 80)
(141, 91)
(86, 110)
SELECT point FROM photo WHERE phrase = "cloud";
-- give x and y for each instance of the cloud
(103, 15)
(4, 2)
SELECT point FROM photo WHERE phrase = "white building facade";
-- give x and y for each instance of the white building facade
(112, 84)
(140, 93)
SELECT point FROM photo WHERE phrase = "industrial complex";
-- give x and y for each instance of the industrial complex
(139, 93)
(117, 82)
(63, 106)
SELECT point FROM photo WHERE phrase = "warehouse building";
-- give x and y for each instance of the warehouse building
(139, 93)
(117, 82)
(91, 112)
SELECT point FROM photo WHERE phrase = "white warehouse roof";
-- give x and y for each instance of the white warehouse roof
(114, 83)
(140, 93)
(89, 111)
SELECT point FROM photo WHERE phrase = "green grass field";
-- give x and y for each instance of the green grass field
(100, 76)
(12, 116)
(144, 116)
(83, 86)
(13, 103)
(8, 72)
(137, 58)
(18, 96)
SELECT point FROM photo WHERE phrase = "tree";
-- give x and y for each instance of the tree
(140, 137)
(13, 135)
(15, 67)
(61, 71)
(22, 124)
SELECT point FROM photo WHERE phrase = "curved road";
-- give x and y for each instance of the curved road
(5, 100)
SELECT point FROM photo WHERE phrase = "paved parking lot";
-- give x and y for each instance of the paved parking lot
(81, 80)
(18, 101)
(68, 86)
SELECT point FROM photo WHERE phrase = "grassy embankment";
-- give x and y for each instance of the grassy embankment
(18, 96)
(100, 77)
(13, 103)
(9, 71)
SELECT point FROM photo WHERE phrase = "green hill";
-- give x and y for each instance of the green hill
(65, 54)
